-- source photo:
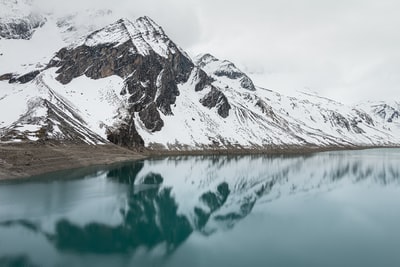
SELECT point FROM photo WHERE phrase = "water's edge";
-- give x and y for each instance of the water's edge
(29, 165)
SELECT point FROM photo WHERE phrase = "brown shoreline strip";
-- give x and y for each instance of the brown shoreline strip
(23, 160)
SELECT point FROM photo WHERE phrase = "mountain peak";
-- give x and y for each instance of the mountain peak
(224, 68)
(204, 59)
(144, 33)
(145, 23)
(128, 83)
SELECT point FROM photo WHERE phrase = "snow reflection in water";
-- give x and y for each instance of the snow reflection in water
(332, 208)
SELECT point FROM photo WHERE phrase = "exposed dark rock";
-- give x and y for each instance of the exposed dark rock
(382, 111)
(226, 69)
(395, 115)
(6, 76)
(365, 117)
(386, 112)
(203, 80)
(205, 59)
(338, 119)
(229, 70)
(21, 28)
(215, 98)
(126, 135)
(151, 118)
(182, 66)
(247, 83)
(95, 62)
(265, 108)
(151, 80)
(355, 128)
(167, 92)
(25, 78)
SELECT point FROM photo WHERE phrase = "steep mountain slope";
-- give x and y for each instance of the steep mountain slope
(129, 84)
(386, 112)
(29, 37)
(17, 20)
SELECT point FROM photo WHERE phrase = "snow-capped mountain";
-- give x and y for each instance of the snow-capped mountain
(221, 70)
(29, 36)
(129, 84)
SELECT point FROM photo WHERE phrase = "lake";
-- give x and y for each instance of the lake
(338, 208)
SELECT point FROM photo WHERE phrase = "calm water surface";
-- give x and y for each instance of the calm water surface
(324, 209)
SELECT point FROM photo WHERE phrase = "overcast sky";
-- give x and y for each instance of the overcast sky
(347, 50)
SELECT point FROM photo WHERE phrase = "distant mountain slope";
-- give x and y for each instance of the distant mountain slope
(129, 84)
(18, 20)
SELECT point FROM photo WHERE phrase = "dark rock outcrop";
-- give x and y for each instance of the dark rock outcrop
(355, 128)
(339, 120)
(125, 135)
(151, 79)
(229, 70)
(226, 69)
(24, 78)
(22, 28)
(365, 117)
(215, 98)
(395, 115)
(247, 83)
(151, 118)
(6, 76)
(205, 59)
(387, 112)
(203, 80)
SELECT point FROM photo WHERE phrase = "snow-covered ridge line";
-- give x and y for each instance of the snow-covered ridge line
(129, 83)
(144, 34)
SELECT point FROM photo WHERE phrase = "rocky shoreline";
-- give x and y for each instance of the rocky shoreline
(22, 160)
(28, 159)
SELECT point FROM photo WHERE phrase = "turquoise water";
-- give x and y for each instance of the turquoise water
(323, 209)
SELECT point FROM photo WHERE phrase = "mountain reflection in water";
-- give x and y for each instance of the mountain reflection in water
(156, 205)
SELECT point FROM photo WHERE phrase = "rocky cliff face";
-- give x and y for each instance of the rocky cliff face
(216, 98)
(149, 63)
(139, 52)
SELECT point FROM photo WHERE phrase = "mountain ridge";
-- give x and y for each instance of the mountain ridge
(154, 96)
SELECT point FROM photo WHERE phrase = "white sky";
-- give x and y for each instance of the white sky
(347, 50)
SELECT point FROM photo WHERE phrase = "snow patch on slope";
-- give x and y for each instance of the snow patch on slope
(97, 101)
